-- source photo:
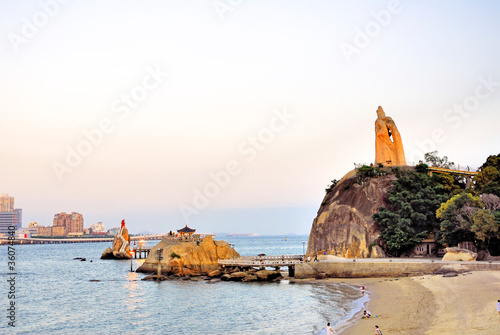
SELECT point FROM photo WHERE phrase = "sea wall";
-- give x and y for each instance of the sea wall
(384, 269)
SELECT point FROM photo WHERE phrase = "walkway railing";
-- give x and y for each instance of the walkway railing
(263, 261)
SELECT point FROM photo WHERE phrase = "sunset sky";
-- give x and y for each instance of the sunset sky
(231, 116)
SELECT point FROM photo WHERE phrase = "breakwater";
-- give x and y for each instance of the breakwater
(367, 268)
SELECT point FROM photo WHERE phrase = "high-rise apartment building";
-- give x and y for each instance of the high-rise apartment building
(6, 203)
(72, 222)
(9, 216)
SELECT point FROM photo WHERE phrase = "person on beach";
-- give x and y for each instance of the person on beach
(498, 308)
(362, 290)
(366, 314)
(378, 331)
(329, 330)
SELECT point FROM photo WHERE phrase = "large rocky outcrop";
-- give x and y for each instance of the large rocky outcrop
(121, 246)
(188, 258)
(344, 225)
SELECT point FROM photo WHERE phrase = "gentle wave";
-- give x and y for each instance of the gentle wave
(60, 295)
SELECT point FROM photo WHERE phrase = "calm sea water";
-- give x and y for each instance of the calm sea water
(58, 295)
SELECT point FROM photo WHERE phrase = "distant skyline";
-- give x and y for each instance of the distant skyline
(231, 116)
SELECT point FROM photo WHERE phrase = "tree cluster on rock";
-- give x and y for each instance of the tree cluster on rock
(411, 211)
(418, 204)
(466, 217)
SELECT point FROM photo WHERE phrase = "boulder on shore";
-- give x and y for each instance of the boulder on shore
(215, 273)
(253, 276)
(459, 254)
(121, 246)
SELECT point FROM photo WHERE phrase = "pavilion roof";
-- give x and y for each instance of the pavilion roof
(186, 230)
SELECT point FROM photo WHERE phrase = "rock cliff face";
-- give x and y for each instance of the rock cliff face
(344, 225)
(188, 258)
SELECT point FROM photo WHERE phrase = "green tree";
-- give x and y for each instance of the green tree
(432, 159)
(456, 217)
(365, 172)
(491, 188)
(410, 214)
(330, 187)
(485, 226)
(488, 178)
(450, 183)
(493, 161)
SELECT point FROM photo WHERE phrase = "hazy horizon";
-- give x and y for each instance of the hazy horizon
(231, 116)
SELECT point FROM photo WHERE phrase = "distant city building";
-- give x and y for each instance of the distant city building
(75, 234)
(19, 213)
(97, 227)
(59, 231)
(7, 219)
(73, 223)
(51, 231)
(9, 216)
(113, 231)
(6, 203)
(44, 231)
(25, 232)
(33, 224)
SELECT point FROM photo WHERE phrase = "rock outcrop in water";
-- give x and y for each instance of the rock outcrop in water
(192, 258)
(121, 245)
(344, 225)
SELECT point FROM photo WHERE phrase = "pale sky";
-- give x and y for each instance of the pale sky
(130, 109)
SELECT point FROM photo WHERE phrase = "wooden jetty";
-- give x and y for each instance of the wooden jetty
(262, 262)
(142, 252)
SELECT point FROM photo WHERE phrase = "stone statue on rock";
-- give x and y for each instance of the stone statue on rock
(121, 245)
(388, 144)
(344, 225)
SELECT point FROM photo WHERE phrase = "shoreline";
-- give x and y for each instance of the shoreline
(429, 304)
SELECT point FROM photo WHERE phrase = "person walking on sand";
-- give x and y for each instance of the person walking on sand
(329, 330)
(498, 308)
(378, 331)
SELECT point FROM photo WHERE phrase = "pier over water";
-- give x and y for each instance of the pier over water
(262, 262)
(39, 240)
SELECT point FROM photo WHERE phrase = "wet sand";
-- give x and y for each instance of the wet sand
(430, 304)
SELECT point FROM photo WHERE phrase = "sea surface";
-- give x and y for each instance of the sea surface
(56, 294)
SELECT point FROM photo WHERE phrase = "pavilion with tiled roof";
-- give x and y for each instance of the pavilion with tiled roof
(186, 231)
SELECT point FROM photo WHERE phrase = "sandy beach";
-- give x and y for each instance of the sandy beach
(430, 304)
